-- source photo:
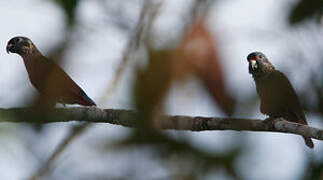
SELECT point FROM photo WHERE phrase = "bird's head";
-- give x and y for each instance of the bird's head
(259, 64)
(20, 45)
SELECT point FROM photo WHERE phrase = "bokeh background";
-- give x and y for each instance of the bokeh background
(183, 57)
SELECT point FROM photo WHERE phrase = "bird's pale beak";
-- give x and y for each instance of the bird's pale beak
(9, 48)
(254, 64)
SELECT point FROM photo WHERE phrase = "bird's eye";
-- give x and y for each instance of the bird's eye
(18, 40)
(259, 56)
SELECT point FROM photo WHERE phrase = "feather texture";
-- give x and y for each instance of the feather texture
(277, 95)
(53, 83)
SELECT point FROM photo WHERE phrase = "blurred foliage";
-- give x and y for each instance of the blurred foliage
(311, 10)
(315, 171)
(198, 164)
(306, 9)
(316, 90)
(198, 54)
(69, 7)
(152, 84)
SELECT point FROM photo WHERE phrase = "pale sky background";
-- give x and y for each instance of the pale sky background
(240, 27)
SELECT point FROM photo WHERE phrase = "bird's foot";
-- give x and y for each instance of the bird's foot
(271, 121)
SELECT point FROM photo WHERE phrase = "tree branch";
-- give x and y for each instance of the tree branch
(127, 118)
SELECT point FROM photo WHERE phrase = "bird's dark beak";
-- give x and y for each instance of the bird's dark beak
(253, 64)
(9, 48)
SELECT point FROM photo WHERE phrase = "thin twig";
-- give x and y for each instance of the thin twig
(146, 19)
(77, 130)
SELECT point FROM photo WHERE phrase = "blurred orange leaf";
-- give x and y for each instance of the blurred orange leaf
(152, 84)
(197, 54)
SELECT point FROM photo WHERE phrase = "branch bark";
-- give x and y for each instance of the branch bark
(127, 118)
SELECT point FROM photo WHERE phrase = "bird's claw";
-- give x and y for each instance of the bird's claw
(271, 121)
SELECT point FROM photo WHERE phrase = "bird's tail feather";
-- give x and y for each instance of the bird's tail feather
(308, 142)
(85, 100)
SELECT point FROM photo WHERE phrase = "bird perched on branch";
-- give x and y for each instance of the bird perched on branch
(277, 95)
(52, 82)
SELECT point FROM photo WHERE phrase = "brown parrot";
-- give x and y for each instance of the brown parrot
(52, 82)
(277, 95)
